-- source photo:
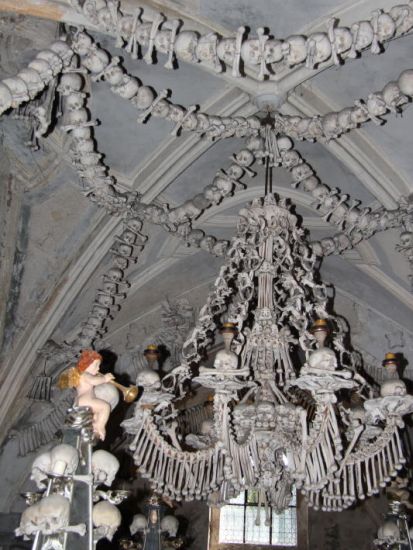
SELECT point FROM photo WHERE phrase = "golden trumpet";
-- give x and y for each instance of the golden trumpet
(130, 393)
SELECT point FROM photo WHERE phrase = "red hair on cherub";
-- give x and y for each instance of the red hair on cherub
(86, 359)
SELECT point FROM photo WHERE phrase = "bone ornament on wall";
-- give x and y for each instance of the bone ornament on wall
(394, 96)
(263, 53)
(31, 81)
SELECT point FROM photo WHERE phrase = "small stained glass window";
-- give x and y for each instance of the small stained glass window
(239, 518)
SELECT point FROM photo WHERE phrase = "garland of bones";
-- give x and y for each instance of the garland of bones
(338, 44)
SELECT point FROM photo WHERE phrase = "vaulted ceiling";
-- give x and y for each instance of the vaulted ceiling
(55, 241)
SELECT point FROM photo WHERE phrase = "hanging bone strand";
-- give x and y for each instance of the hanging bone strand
(336, 45)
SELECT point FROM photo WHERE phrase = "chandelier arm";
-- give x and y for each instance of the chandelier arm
(335, 46)
(183, 474)
(364, 471)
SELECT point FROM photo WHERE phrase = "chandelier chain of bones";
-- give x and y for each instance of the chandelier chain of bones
(265, 435)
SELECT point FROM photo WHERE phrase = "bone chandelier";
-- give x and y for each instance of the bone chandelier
(281, 401)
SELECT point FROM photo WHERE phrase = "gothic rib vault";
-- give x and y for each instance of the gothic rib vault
(55, 242)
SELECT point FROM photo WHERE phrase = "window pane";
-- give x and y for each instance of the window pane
(231, 524)
(255, 534)
(240, 499)
(284, 528)
(252, 496)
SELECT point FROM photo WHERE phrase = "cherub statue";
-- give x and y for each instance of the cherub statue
(84, 377)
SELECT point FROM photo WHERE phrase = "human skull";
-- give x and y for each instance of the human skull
(265, 415)
(32, 80)
(106, 519)
(389, 532)
(273, 51)
(226, 360)
(255, 143)
(128, 88)
(290, 159)
(18, 89)
(403, 17)
(317, 248)
(328, 245)
(323, 359)
(135, 224)
(163, 40)
(226, 50)
(82, 43)
(40, 467)
(161, 109)
(251, 52)
(176, 113)
(342, 39)
(207, 243)
(82, 133)
(64, 460)
(345, 120)
(363, 35)
(385, 26)
(50, 515)
(53, 59)
(105, 466)
(78, 117)
(74, 101)
(185, 46)
(114, 274)
(220, 248)
(234, 172)
(330, 125)
(342, 242)
(359, 114)
(294, 50)
(96, 61)
(43, 68)
(69, 83)
(212, 194)
(206, 50)
(170, 525)
(143, 32)
(318, 49)
(284, 143)
(139, 523)
(114, 74)
(393, 96)
(376, 104)
(406, 82)
(309, 184)
(148, 379)
(63, 50)
(100, 312)
(406, 238)
(144, 98)
(245, 157)
(301, 172)
(393, 387)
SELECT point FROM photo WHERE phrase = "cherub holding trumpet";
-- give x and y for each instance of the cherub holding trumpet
(84, 377)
